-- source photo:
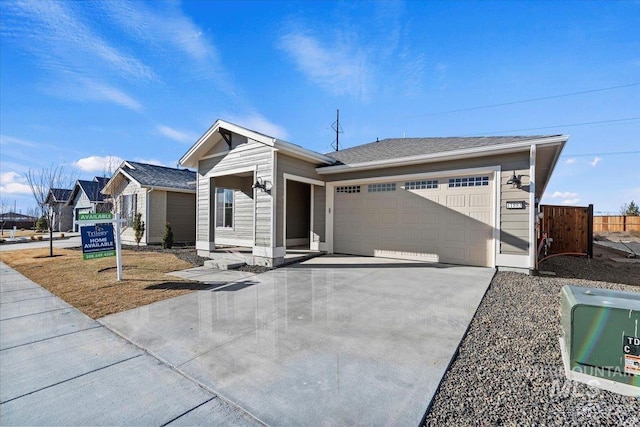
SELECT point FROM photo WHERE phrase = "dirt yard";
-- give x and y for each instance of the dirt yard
(601, 268)
(92, 287)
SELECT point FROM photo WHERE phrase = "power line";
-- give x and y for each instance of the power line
(611, 153)
(522, 101)
(558, 126)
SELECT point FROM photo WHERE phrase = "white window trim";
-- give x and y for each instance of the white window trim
(233, 210)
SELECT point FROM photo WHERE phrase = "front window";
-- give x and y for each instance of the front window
(128, 208)
(224, 208)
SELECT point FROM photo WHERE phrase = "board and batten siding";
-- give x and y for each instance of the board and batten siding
(293, 166)
(181, 215)
(154, 225)
(514, 225)
(245, 153)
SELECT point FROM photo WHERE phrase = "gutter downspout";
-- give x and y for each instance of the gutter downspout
(146, 215)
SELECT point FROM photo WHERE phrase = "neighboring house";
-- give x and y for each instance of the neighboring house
(62, 211)
(8, 220)
(162, 195)
(87, 197)
(451, 200)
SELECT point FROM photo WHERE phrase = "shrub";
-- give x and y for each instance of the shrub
(42, 224)
(167, 239)
(138, 228)
(40, 238)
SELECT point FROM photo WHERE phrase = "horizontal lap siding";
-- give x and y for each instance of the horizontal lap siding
(243, 155)
(514, 223)
(128, 236)
(293, 166)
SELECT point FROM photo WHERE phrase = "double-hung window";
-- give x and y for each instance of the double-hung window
(224, 208)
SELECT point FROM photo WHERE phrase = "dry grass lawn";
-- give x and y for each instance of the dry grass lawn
(23, 233)
(92, 287)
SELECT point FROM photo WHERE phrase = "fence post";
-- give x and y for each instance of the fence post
(624, 223)
(590, 231)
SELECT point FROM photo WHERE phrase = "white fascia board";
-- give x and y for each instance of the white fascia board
(173, 190)
(438, 157)
(110, 182)
(119, 171)
(302, 153)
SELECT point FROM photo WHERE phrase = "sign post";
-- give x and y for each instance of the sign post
(99, 239)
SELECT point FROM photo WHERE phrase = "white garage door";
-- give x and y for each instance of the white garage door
(446, 220)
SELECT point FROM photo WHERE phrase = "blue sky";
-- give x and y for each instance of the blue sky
(82, 82)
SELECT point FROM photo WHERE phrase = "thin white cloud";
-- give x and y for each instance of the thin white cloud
(570, 201)
(13, 183)
(65, 41)
(259, 123)
(9, 140)
(340, 68)
(161, 24)
(177, 135)
(98, 163)
(564, 195)
(570, 160)
(595, 161)
(86, 89)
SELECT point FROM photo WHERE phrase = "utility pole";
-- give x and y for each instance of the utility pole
(336, 127)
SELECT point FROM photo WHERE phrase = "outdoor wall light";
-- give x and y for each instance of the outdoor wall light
(262, 185)
(515, 180)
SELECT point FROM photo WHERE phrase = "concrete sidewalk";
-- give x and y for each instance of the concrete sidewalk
(59, 367)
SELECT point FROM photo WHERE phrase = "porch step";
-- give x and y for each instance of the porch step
(224, 264)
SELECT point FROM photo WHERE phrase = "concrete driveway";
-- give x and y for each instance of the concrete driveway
(59, 367)
(334, 340)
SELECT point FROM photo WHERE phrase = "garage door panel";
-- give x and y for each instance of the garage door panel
(441, 224)
(456, 201)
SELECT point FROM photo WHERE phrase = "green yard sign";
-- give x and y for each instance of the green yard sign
(95, 216)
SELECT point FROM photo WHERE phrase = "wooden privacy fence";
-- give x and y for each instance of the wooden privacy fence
(616, 223)
(570, 227)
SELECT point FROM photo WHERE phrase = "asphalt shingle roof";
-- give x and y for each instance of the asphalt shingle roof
(60, 194)
(161, 176)
(396, 148)
(92, 190)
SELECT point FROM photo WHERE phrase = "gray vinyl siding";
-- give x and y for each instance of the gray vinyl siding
(319, 209)
(514, 225)
(245, 154)
(293, 166)
(181, 214)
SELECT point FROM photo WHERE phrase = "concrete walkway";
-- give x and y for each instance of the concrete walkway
(59, 367)
(334, 340)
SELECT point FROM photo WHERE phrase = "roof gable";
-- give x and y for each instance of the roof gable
(60, 195)
(147, 175)
(214, 135)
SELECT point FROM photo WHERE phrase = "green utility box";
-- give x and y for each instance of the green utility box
(600, 336)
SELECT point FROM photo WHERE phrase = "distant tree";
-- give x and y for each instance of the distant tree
(167, 239)
(138, 228)
(630, 209)
(42, 182)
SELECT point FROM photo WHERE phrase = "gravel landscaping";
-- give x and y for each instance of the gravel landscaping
(509, 368)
